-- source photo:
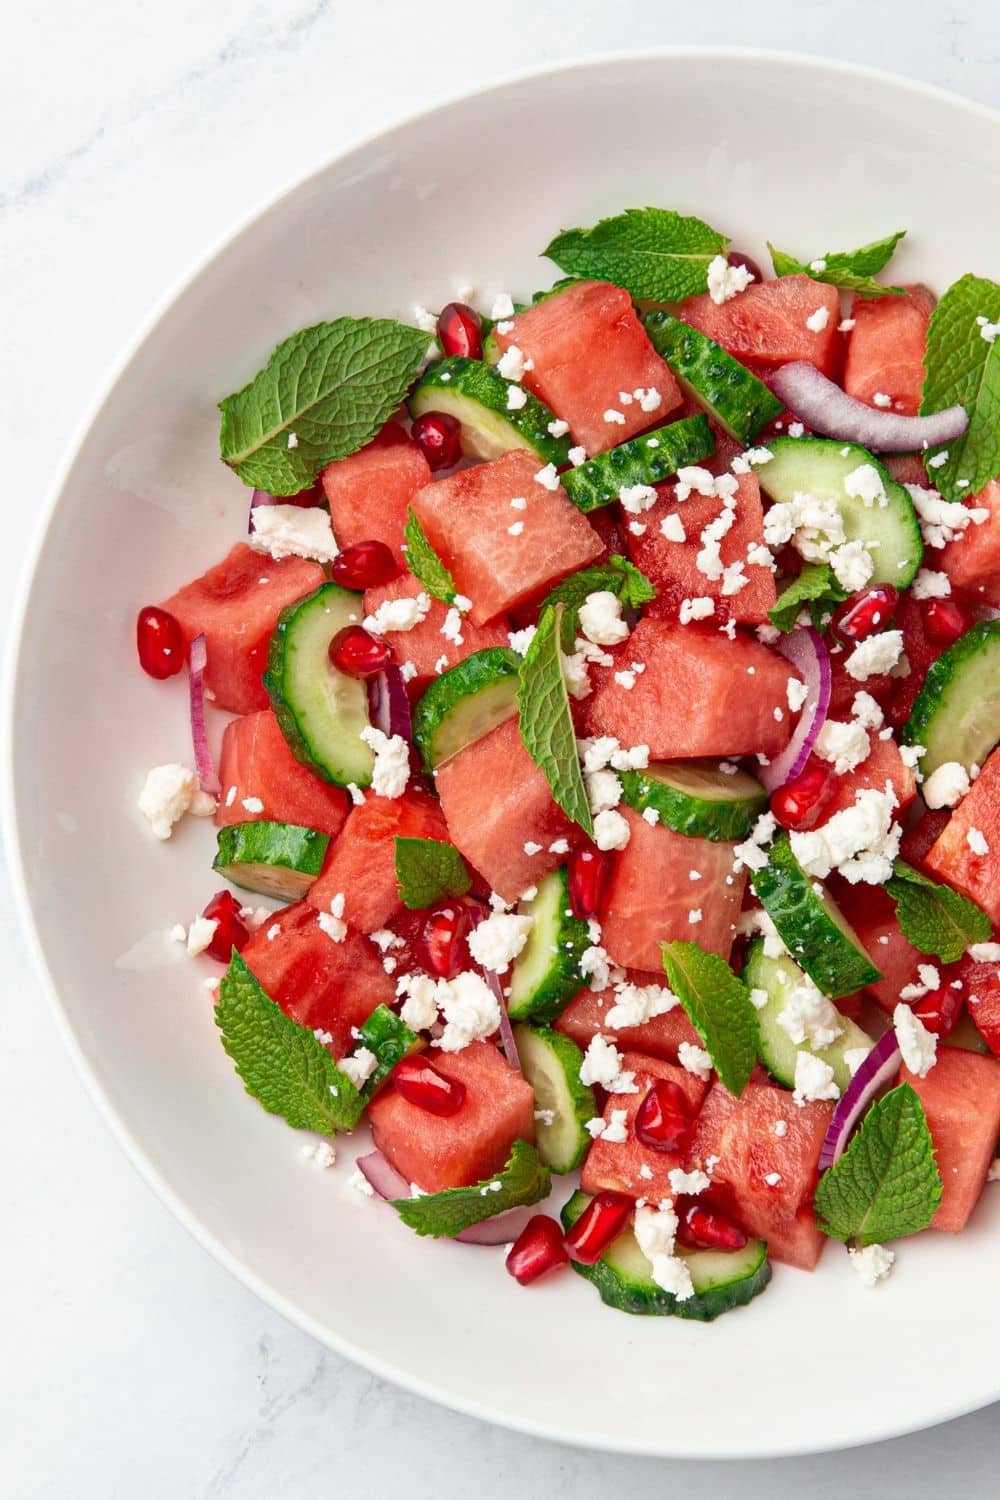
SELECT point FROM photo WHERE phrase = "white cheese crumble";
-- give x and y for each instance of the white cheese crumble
(520, 640)
(512, 364)
(930, 584)
(602, 1063)
(860, 841)
(614, 418)
(637, 498)
(977, 842)
(813, 1079)
(687, 1184)
(866, 711)
(872, 1264)
(547, 477)
(359, 1067)
(517, 398)
(844, 745)
(496, 941)
(984, 953)
(419, 1010)
(200, 934)
(917, 1045)
(293, 531)
(943, 521)
(655, 1233)
(635, 1004)
(503, 307)
(750, 854)
(391, 770)
(725, 281)
(399, 614)
(672, 527)
(947, 785)
(321, 1154)
(332, 922)
(876, 655)
(865, 484)
(601, 618)
(169, 792)
(611, 831)
(696, 609)
(796, 693)
(614, 1131)
(558, 428)
(694, 1060)
(818, 320)
(578, 456)
(809, 1017)
(470, 1009)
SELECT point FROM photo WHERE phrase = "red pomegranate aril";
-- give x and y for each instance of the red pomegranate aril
(701, 1228)
(357, 653)
(231, 931)
(442, 948)
(438, 436)
(737, 258)
(537, 1251)
(944, 621)
(940, 1010)
(800, 801)
(159, 641)
(602, 1221)
(865, 612)
(589, 872)
(460, 330)
(364, 566)
(420, 1083)
(663, 1120)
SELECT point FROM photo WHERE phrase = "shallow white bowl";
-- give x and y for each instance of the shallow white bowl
(810, 155)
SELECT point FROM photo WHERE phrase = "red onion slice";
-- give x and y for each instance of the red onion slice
(390, 1184)
(805, 649)
(831, 412)
(878, 1069)
(382, 1176)
(389, 705)
(208, 778)
(507, 1042)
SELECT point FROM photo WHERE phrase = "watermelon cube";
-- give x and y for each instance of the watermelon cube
(583, 1019)
(953, 859)
(885, 349)
(768, 324)
(615, 1165)
(982, 991)
(467, 1147)
(256, 766)
(872, 914)
(972, 561)
(369, 492)
(424, 647)
(362, 861)
(587, 347)
(961, 1099)
(883, 765)
(499, 554)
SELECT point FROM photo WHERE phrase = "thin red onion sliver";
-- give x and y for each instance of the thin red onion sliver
(382, 1176)
(390, 1184)
(830, 411)
(878, 1069)
(389, 705)
(507, 1041)
(805, 649)
(208, 778)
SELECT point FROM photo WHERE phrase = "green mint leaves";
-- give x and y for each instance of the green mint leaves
(935, 918)
(525, 1179)
(427, 870)
(718, 1006)
(424, 563)
(886, 1184)
(653, 253)
(546, 721)
(323, 394)
(814, 588)
(616, 576)
(853, 270)
(963, 369)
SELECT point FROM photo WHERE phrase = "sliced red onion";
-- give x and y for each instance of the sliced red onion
(208, 778)
(878, 1069)
(507, 1042)
(805, 649)
(502, 1229)
(388, 704)
(831, 412)
(382, 1175)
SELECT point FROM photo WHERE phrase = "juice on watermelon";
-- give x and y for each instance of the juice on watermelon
(629, 1166)
(885, 350)
(770, 323)
(369, 493)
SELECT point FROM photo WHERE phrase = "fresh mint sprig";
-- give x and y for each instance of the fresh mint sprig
(424, 563)
(933, 917)
(654, 253)
(886, 1184)
(428, 870)
(851, 270)
(525, 1179)
(546, 722)
(718, 1006)
(963, 369)
(814, 589)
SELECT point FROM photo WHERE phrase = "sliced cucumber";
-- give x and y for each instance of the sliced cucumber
(551, 1064)
(727, 390)
(391, 1040)
(642, 460)
(957, 712)
(811, 925)
(465, 703)
(476, 395)
(722, 1279)
(321, 711)
(778, 977)
(273, 859)
(819, 466)
(697, 798)
(547, 971)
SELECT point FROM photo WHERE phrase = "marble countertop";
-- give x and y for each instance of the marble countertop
(132, 138)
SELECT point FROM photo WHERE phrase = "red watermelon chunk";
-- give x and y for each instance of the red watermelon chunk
(583, 1019)
(466, 1147)
(918, 840)
(954, 861)
(872, 914)
(885, 349)
(982, 987)
(468, 519)
(257, 766)
(972, 562)
(236, 605)
(961, 1099)
(588, 347)
(883, 765)
(369, 493)
(362, 862)
(906, 468)
(767, 323)
(424, 647)
(615, 1165)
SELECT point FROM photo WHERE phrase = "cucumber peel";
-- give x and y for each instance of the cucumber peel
(649, 459)
(465, 703)
(957, 712)
(551, 1064)
(696, 798)
(547, 973)
(476, 395)
(729, 392)
(272, 859)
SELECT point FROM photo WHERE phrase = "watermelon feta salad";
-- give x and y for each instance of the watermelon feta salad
(609, 782)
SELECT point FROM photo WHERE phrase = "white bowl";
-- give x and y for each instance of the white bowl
(813, 156)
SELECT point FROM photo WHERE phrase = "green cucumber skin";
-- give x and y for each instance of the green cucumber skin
(457, 383)
(721, 822)
(436, 706)
(294, 854)
(546, 998)
(391, 1040)
(598, 481)
(931, 718)
(580, 1098)
(737, 400)
(776, 1051)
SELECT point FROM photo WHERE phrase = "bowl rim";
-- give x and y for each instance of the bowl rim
(16, 853)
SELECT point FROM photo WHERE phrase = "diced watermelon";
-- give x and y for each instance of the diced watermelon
(961, 1099)
(369, 493)
(652, 898)
(906, 468)
(362, 862)
(920, 651)
(236, 605)
(583, 1019)
(767, 323)
(588, 346)
(467, 1147)
(883, 765)
(424, 647)
(918, 840)
(615, 1165)
(256, 765)
(700, 694)
(972, 562)
(468, 519)
(982, 989)
(324, 985)
(885, 349)
(951, 858)
(495, 801)
(872, 914)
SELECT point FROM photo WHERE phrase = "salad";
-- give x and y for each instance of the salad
(608, 785)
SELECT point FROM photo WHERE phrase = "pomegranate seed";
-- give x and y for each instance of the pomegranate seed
(800, 802)
(460, 330)
(364, 566)
(944, 621)
(442, 948)
(537, 1250)
(737, 258)
(589, 871)
(160, 642)
(602, 1221)
(701, 1228)
(438, 436)
(354, 651)
(420, 1083)
(864, 613)
(231, 932)
(940, 1010)
(663, 1119)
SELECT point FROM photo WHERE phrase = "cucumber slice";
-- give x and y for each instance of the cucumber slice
(819, 466)
(273, 859)
(551, 1064)
(476, 395)
(390, 1039)
(811, 925)
(957, 712)
(727, 390)
(697, 798)
(321, 711)
(547, 971)
(722, 1279)
(465, 703)
(778, 977)
(642, 460)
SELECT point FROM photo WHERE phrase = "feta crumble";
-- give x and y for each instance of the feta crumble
(860, 841)
(695, 1060)
(601, 618)
(946, 786)
(470, 1009)
(977, 842)
(872, 1264)
(602, 1063)
(169, 792)
(293, 531)
(813, 1079)
(818, 320)
(399, 614)
(200, 934)
(391, 770)
(496, 941)
(917, 1045)
(844, 745)
(359, 1066)
(611, 831)
(877, 655)
(808, 1016)
(725, 281)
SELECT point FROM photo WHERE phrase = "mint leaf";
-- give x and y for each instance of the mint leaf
(546, 722)
(853, 270)
(718, 1006)
(327, 390)
(525, 1179)
(427, 870)
(815, 587)
(653, 253)
(424, 563)
(963, 369)
(935, 918)
(886, 1184)
(616, 576)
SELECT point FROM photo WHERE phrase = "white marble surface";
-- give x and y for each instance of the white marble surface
(131, 139)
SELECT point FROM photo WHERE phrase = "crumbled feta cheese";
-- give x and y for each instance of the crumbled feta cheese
(845, 745)
(694, 1060)
(425, 321)
(399, 614)
(547, 477)
(976, 840)
(419, 1010)
(696, 609)
(866, 711)
(943, 521)
(818, 320)
(873, 1263)
(577, 456)
(610, 830)
(601, 618)
(772, 1178)
(635, 1004)
(750, 854)
(516, 528)
(451, 628)
(988, 330)
(929, 979)
(637, 498)
(391, 770)
(558, 428)
(781, 1128)
(929, 584)
(511, 364)
(648, 397)
(809, 1017)
(576, 674)
(881, 399)
(503, 307)
(517, 398)
(860, 841)
(917, 1045)
(672, 527)
(796, 693)
(359, 1183)
(876, 655)
(852, 565)
(595, 965)
(321, 1154)
(470, 1009)
(984, 953)
(813, 524)
(846, 324)
(635, 758)
(947, 785)
(200, 934)
(169, 792)
(625, 680)
(854, 1057)
(602, 1063)
(496, 941)
(332, 922)
(687, 1184)
(531, 848)
(865, 484)
(520, 640)
(726, 281)
(519, 503)
(813, 1079)
(293, 531)
(615, 1132)
(655, 1231)
(359, 1067)
(817, 265)
(252, 805)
